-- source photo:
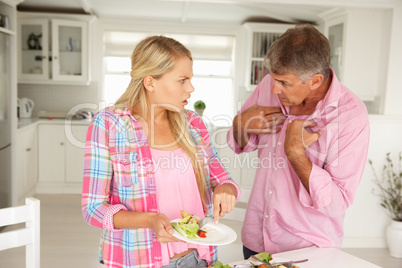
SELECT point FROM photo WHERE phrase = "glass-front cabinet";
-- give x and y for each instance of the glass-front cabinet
(33, 51)
(53, 51)
(260, 36)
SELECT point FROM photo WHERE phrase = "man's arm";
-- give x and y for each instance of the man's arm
(297, 140)
(256, 120)
(334, 177)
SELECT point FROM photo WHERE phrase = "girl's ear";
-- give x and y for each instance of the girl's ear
(149, 83)
(316, 81)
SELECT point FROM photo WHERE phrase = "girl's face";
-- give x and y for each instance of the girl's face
(174, 88)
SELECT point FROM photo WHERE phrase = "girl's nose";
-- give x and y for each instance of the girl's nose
(190, 88)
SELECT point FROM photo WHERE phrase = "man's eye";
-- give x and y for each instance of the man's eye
(284, 84)
(182, 80)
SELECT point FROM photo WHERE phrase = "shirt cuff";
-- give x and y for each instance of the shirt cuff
(251, 145)
(108, 217)
(235, 185)
(320, 189)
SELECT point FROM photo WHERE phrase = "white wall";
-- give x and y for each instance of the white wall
(366, 220)
(394, 87)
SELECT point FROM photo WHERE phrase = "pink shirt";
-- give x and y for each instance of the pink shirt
(176, 188)
(281, 214)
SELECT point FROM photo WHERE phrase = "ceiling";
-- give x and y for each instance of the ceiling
(238, 11)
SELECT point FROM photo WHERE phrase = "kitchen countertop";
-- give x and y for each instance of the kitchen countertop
(25, 122)
(320, 257)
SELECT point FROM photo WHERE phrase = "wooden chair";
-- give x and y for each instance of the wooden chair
(28, 236)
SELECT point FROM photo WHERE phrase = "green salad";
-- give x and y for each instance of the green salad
(264, 256)
(187, 227)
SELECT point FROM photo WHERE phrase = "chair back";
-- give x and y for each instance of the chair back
(28, 236)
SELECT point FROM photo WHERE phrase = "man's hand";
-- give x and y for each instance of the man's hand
(257, 120)
(298, 139)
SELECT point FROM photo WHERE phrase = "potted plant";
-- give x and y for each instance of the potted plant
(199, 107)
(390, 192)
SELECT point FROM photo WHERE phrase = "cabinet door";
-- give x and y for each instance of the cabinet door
(70, 47)
(33, 50)
(27, 161)
(21, 183)
(335, 31)
(75, 153)
(31, 149)
(51, 153)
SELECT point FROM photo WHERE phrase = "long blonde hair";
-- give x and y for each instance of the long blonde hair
(155, 56)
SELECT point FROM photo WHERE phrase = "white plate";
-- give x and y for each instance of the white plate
(217, 235)
(252, 262)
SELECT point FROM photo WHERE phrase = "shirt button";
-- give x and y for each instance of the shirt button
(266, 216)
(276, 168)
(270, 192)
(279, 143)
(124, 160)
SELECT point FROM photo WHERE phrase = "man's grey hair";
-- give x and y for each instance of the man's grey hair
(301, 50)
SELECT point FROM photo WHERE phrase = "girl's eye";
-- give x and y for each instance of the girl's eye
(182, 80)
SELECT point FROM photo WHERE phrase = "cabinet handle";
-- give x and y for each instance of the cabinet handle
(61, 143)
(28, 149)
(55, 57)
(44, 57)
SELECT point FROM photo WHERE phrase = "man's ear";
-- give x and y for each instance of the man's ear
(149, 83)
(316, 81)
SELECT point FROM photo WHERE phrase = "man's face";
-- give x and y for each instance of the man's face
(290, 89)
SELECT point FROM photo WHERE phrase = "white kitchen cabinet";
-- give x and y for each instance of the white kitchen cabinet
(75, 153)
(61, 158)
(259, 38)
(51, 153)
(351, 33)
(27, 161)
(53, 51)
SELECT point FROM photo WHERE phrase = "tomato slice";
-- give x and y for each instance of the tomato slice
(201, 233)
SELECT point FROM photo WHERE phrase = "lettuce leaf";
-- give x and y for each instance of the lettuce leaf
(264, 256)
(187, 227)
(218, 264)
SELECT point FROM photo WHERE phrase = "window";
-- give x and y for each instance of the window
(212, 69)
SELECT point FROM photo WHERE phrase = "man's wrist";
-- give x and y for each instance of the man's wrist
(295, 154)
(239, 134)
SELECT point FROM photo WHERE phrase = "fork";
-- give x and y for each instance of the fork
(288, 263)
(276, 264)
(204, 221)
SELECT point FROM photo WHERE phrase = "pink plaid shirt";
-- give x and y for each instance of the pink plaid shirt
(118, 174)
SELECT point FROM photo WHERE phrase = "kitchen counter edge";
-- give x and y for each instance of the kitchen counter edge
(26, 122)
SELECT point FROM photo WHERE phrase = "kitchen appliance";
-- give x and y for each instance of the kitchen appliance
(25, 107)
(5, 124)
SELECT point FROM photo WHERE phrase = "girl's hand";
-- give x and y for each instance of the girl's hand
(160, 224)
(224, 200)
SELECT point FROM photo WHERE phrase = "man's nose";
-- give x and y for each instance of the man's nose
(275, 90)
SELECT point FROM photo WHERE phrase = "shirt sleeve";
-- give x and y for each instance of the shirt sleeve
(98, 173)
(333, 187)
(252, 143)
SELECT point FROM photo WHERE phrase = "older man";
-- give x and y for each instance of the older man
(312, 136)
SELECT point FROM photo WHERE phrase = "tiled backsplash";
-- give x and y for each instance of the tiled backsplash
(59, 97)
